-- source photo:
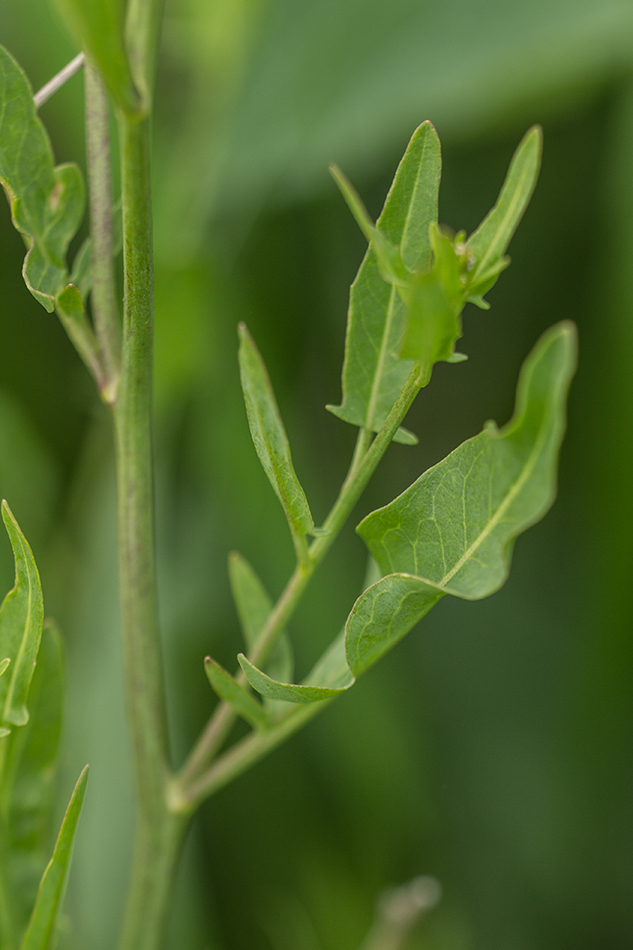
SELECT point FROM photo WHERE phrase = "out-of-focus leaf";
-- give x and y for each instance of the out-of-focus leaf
(29, 768)
(489, 242)
(21, 617)
(47, 202)
(241, 701)
(269, 436)
(453, 530)
(98, 27)
(254, 607)
(41, 929)
(373, 374)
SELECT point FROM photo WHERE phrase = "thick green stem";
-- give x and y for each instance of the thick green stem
(157, 831)
(105, 311)
(191, 787)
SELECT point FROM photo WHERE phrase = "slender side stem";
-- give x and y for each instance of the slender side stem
(190, 785)
(157, 831)
(105, 311)
(58, 80)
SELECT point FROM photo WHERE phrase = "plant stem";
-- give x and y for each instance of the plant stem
(190, 787)
(157, 832)
(105, 312)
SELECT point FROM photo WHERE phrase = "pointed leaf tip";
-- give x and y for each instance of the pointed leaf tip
(373, 374)
(21, 620)
(269, 435)
(42, 925)
(489, 242)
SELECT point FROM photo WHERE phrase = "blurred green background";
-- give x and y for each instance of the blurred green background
(493, 747)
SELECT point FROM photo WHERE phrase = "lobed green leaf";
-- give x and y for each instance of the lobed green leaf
(41, 929)
(453, 530)
(46, 202)
(373, 373)
(98, 27)
(269, 436)
(21, 618)
(489, 242)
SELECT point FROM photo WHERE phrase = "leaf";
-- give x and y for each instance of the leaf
(21, 617)
(41, 929)
(47, 203)
(98, 28)
(29, 768)
(241, 701)
(269, 436)
(489, 242)
(289, 692)
(453, 530)
(254, 607)
(373, 375)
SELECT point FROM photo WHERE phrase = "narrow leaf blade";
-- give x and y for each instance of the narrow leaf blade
(228, 689)
(490, 241)
(373, 375)
(41, 929)
(21, 618)
(455, 526)
(269, 435)
(29, 770)
(46, 202)
(98, 27)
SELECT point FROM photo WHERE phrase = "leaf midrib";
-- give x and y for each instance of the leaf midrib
(501, 510)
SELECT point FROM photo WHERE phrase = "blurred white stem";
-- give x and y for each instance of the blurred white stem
(58, 80)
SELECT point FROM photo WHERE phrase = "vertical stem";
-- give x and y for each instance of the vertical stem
(157, 832)
(105, 311)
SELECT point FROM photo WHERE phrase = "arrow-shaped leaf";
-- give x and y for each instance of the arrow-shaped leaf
(21, 617)
(269, 436)
(453, 530)
(41, 929)
(373, 375)
(47, 202)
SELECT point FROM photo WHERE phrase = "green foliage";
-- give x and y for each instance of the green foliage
(47, 202)
(41, 929)
(21, 618)
(99, 29)
(254, 608)
(241, 701)
(29, 760)
(373, 374)
(488, 244)
(270, 439)
(434, 274)
(29, 744)
(452, 531)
